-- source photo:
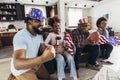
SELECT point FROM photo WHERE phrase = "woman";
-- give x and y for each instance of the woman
(57, 39)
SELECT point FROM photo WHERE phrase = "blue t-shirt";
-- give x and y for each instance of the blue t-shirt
(25, 40)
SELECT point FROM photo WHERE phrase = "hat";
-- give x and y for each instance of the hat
(82, 21)
(36, 14)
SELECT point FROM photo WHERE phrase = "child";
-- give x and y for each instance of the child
(113, 39)
(115, 54)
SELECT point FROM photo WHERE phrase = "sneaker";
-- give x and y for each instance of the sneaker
(75, 78)
(97, 64)
(106, 61)
(109, 62)
(94, 67)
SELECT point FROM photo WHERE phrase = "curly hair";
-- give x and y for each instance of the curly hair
(52, 20)
(100, 20)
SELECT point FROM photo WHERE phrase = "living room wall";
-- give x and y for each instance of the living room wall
(111, 8)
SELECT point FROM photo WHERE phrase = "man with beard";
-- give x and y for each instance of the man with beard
(26, 43)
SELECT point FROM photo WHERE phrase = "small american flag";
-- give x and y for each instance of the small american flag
(102, 40)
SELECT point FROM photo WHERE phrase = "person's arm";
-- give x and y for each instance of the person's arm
(74, 37)
(21, 62)
(85, 40)
(107, 33)
(99, 30)
(47, 40)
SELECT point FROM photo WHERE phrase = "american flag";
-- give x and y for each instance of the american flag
(69, 44)
(102, 40)
(118, 40)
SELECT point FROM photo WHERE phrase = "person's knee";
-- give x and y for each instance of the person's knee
(111, 47)
(70, 58)
(60, 58)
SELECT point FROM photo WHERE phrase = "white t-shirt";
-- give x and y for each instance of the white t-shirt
(25, 40)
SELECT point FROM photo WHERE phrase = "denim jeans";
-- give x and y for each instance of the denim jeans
(61, 63)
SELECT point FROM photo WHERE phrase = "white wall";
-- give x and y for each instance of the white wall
(110, 7)
(86, 12)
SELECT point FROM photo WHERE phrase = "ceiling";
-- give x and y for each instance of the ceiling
(70, 3)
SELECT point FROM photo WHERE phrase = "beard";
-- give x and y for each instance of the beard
(37, 30)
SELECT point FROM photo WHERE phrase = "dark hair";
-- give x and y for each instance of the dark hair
(100, 20)
(27, 19)
(112, 33)
(11, 26)
(52, 20)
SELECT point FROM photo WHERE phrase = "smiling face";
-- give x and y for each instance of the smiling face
(56, 27)
(103, 24)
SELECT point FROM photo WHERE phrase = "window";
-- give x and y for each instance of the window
(74, 14)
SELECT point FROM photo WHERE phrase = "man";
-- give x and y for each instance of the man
(83, 44)
(26, 45)
(107, 47)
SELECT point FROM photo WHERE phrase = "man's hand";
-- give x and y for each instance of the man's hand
(92, 42)
(88, 42)
(48, 54)
(93, 38)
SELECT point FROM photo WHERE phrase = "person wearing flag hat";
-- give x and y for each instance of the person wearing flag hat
(83, 44)
(26, 44)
